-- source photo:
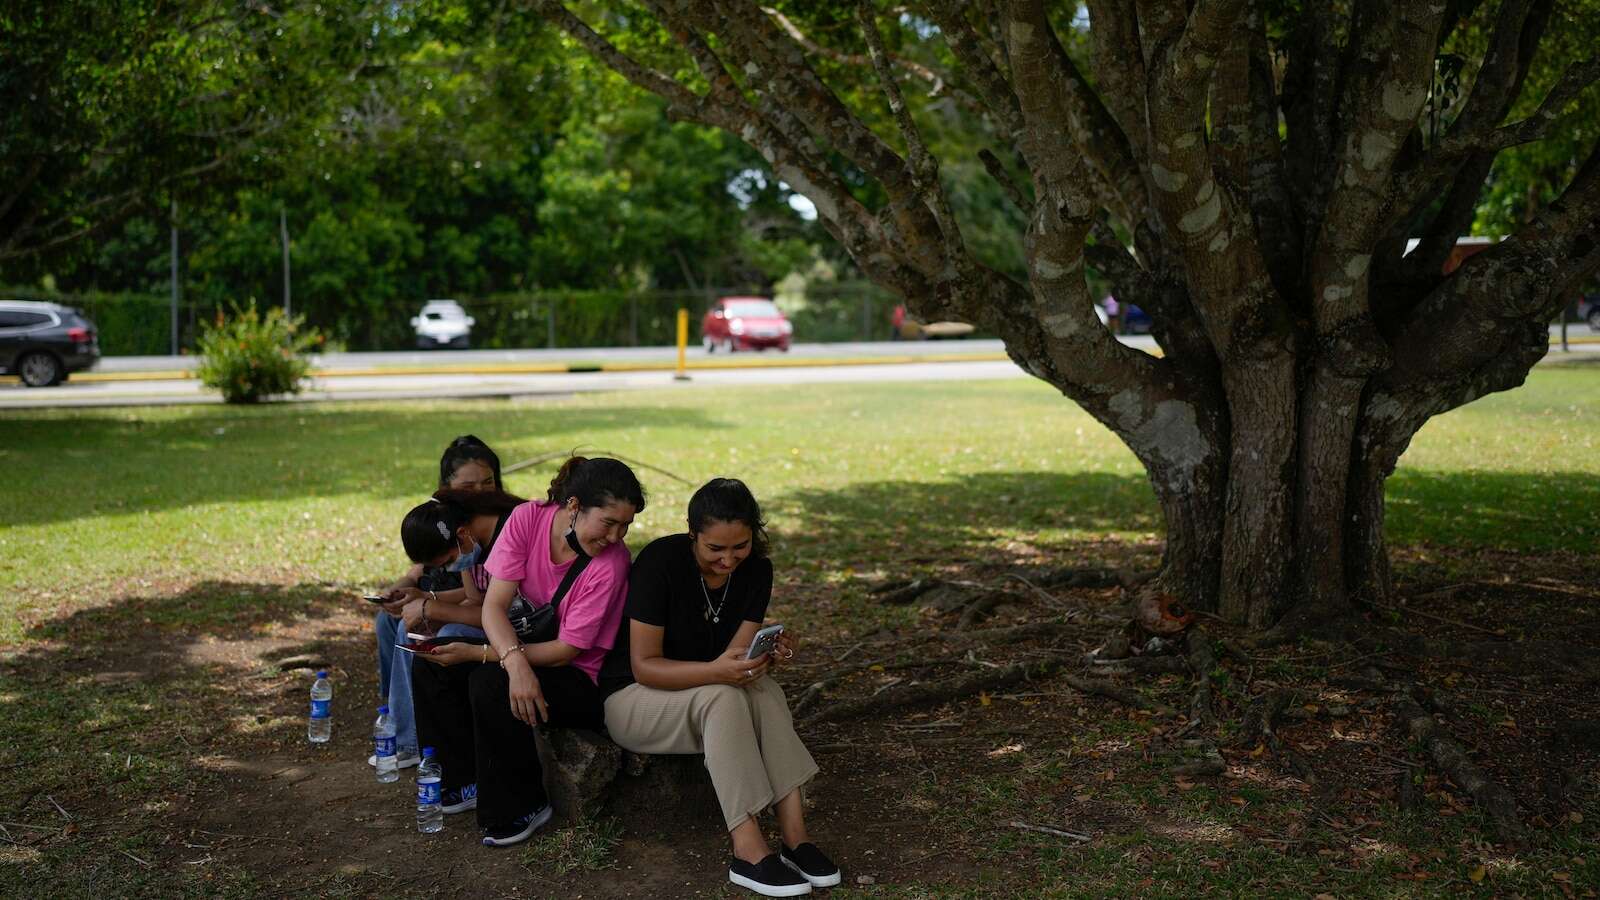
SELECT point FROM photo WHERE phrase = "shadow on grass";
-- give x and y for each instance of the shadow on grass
(118, 463)
(1506, 510)
(966, 516)
(226, 610)
(118, 724)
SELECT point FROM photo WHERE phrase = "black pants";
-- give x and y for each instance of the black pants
(444, 718)
(465, 711)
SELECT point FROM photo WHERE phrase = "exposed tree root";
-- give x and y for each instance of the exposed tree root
(960, 643)
(1093, 578)
(981, 608)
(1210, 761)
(1201, 661)
(1140, 665)
(933, 692)
(895, 593)
(1260, 726)
(1563, 657)
(1102, 688)
(1497, 803)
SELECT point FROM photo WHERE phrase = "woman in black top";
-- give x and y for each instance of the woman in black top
(678, 681)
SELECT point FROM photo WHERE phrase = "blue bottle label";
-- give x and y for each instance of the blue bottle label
(427, 793)
(383, 746)
(319, 709)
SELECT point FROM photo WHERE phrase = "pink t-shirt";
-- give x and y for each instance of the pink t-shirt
(591, 612)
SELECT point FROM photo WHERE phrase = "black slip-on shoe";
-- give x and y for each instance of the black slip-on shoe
(769, 878)
(810, 863)
(519, 830)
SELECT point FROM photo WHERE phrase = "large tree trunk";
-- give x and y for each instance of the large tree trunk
(1268, 167)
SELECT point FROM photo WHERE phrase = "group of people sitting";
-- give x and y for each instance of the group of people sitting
(538, 616)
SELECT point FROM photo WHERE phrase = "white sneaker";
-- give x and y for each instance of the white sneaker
(402, 760)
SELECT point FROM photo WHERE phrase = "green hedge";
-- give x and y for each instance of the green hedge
(128, 324)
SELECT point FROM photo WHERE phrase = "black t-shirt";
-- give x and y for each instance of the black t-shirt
(664, 588)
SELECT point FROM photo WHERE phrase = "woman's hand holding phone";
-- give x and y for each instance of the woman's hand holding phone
(784, 651)
(458, 652)
(732, 667)
(398, 598)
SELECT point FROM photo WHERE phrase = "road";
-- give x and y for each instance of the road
(512, 373)
(139, 381)
(586, 355)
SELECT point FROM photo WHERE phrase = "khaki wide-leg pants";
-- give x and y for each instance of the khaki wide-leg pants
(752, 752)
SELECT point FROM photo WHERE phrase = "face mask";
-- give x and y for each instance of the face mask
(466, 560)
(572, 541)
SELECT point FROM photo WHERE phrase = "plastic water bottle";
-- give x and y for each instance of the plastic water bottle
(383, 747)
(320, 728)
(430, 812)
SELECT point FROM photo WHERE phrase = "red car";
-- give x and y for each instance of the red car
(745, 323)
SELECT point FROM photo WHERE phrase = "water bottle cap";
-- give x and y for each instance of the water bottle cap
(383, 710)
(427, 752)
(322, 673)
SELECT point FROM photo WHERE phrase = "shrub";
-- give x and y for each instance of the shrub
(248, 356)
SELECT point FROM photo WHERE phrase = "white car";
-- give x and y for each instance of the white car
(442, 323)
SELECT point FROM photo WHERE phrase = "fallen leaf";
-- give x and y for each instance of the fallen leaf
(983, 698)
(1575, 817)
(1477, 874)
(1260, 749)
(1004, 751)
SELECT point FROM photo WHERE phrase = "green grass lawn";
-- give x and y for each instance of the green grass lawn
(855, 477)
(222, 522)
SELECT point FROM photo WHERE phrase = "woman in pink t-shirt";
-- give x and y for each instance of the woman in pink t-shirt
(547, 673)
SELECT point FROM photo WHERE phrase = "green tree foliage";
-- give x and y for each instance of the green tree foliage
(475, 156)
(109, 107)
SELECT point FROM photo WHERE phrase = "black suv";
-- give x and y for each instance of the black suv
(43, 342)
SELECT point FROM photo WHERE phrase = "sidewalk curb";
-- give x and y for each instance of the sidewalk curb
(569, 368)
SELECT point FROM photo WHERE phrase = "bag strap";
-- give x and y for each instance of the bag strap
(576, 569)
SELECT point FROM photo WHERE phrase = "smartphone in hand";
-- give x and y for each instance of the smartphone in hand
(375, 598)
(765, 640)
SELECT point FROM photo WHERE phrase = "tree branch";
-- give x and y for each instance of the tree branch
(685, 103)
(937, 84)
(1119, 66)
(978, 65)
(924, 167)
(1065, 104)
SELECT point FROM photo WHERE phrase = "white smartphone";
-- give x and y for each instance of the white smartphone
(765, 640)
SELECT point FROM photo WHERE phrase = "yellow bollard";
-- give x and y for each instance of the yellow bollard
(683, 346)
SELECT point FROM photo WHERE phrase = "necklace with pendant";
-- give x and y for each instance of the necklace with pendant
(715, 615)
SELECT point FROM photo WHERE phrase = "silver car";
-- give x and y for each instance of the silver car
(442, 323)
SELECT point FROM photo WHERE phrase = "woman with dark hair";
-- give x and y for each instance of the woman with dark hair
(467, 464)
(454, 531)
(559, 572)
(679, 681)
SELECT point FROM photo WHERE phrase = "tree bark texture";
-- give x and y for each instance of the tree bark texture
(1253, 196)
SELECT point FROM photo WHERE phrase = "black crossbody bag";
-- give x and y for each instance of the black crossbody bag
(538, 624)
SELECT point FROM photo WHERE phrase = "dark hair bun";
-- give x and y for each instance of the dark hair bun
(596, 482)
